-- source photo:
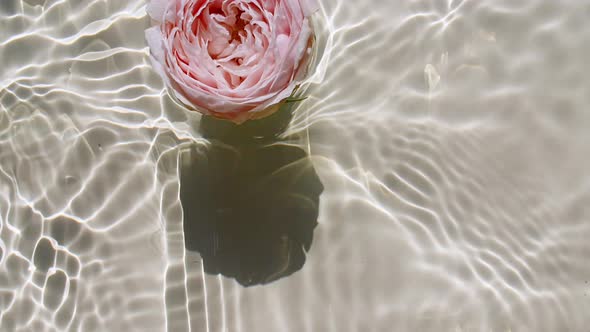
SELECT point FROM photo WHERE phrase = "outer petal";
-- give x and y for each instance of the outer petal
(155, 41)
(309, 6)
(157, 9)
(272, 59)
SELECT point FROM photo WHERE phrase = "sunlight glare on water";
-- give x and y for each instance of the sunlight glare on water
(450, 138)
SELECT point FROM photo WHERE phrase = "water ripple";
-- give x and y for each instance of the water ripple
(450, 136)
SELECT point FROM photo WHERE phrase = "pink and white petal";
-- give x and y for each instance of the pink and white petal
(160, 10)
(309, 6)
(155, 41)
(205, 100)
(304, 60)
(276, 99)
(302, 43)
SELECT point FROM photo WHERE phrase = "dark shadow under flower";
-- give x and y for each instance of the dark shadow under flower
(250, 202)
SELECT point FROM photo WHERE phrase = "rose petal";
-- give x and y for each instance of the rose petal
(154, 39)
(230, 58)
(158, 10)
(308, 7)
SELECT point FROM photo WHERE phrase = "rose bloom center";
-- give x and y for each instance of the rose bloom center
(234, 37)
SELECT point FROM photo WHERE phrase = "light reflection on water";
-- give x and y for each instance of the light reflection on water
(450, 138)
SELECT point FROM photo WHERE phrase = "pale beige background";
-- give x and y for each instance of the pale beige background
(451, 138)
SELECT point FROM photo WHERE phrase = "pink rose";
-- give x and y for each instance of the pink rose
(233, 59)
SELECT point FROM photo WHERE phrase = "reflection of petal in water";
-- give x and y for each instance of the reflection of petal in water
(250, 210)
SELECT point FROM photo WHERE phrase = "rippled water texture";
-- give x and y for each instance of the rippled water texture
(450, 138)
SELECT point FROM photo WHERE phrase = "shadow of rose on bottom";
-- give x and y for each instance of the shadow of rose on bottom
(250, 200)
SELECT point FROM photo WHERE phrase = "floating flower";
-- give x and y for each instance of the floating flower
(233, 59)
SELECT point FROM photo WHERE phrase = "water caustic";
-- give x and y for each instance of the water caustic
(443, 155)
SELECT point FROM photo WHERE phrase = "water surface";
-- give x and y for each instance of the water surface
(450, 139)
